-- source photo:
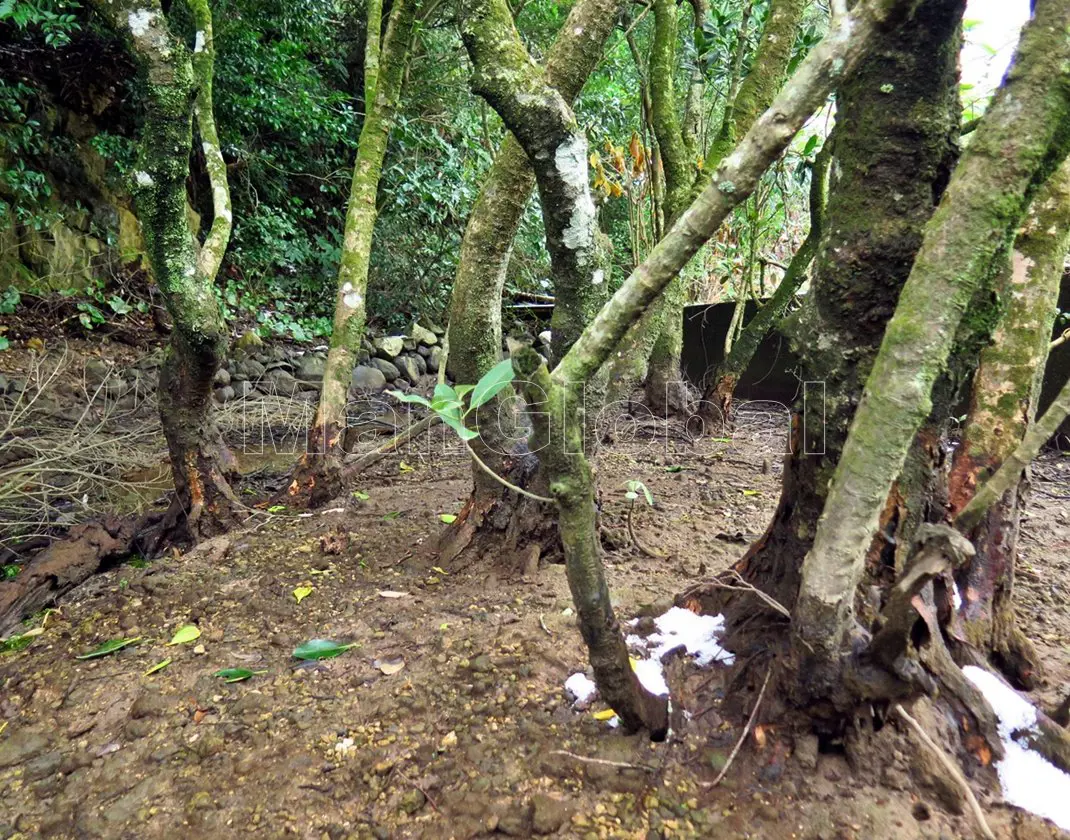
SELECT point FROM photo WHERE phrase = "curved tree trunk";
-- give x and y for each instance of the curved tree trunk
(665, 390)
(1014, 149)
(1005, 391)
(895, 143)
(511, 523)
(177, 84)
(318, 475)
(717, 400)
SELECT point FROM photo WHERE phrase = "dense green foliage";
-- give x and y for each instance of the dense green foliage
(289, 103)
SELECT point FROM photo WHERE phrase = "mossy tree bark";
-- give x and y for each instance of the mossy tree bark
(1005, 391)
(177, 83)
(318, 475)
(511, 523)
(567, 472)
(895, 137)
(1015, 148)
(717, 400)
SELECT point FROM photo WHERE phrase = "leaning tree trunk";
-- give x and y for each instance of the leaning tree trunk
(1019, 141)
(318, 475)
(512, 524)
(896, 126)
(1005, 392)
(717, 401)
(175, 86)
(665, 390)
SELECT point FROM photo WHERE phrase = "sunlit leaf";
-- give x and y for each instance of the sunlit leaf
(159, 666)
(184, 634)
(302, 592)
(360, 497)
(448, 518)
(410, 398)
(491, 384)
(604, 714)
(405, 468)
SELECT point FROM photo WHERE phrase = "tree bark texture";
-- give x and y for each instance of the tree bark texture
(317, 477)
(1014, 149)
(1006, 387)
(175, 83)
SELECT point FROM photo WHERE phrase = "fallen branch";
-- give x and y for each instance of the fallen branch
(746, 730)
(356, 464)
(88, 549)
(605, 762)
(949, 765)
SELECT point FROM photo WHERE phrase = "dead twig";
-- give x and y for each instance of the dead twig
(427, 796)
(950, 766)
(605, 762)
(746, 730)
(742, 585)
(542, 624)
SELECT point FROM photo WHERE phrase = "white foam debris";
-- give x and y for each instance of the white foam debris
(651, 675)
(581, 687)
(956, 596)
(698, 634)
(345, 747)
(1028, 780)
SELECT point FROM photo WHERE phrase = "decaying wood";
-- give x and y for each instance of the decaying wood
(89, 549)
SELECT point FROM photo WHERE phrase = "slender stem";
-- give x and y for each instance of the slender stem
(746, 729)
(503, 481)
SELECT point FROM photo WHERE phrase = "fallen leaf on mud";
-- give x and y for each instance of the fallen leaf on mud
(360, 497)
(389, 593)
(233, 675)
(440, 570)
(390, 666)
(321, 649)
(159, 666)
(403, 467)
(390, 517)
(751, 492)
(448, 740)
(109, 647)
(37, 631)
(302, 592)
(604, 714)
(185, 633)
(448, 518)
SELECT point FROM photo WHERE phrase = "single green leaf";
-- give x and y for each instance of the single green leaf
(632, 495)
(445, 397)
(276, 508)
(403, 467)
(302, 592)
(751, 492)
(675, 468)
(159, 666)
(452, 418)
(109, 647)
(448, 518)
(390, 517)
(461, 390)
(491, 383)
(185, 633)
(360, 497)
(321, 649)
(410, 398)
(233, 675)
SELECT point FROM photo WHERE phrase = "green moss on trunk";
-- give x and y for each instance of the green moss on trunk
(1022, 137)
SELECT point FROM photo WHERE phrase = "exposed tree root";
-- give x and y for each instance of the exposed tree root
(90, 548)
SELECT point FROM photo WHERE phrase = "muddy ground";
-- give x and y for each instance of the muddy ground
(474, 734)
